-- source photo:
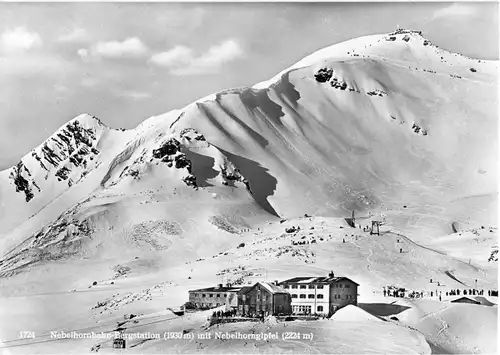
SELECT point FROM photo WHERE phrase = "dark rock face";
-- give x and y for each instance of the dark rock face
(80, 134)
(234, 176)
(473, 70)
(50, 156)
(190, 180)
(417, 129)
(326, 75)
(63, 173)
(323, 75)
(338, 84)
(22, 185)
(170, 147)
(406, 38)
(494, 256)
(377, 93)
(191, 133)
(181, 161)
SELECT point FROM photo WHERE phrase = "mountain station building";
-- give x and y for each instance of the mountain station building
(321, 295)
(264, 298)
(212, 297)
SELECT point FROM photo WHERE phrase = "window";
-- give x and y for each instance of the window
(347, 286)
(311, 286)
(211, 295)
(303, 286)
(294, 296)
(294, 286)
(310, 296)
(319, 286)
(320, 308)
(302, 296)
(203, 295)
(319, 295)
(286, 286)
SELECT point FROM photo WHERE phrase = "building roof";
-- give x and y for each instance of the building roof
(268, 286)
(272, 288)
(315, 280)
(466, 298)
(217, 289)
(244, 289)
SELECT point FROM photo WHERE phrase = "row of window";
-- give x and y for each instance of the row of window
(303, 286)
(347, 297)
(202, 305)
(342, 285)
(337, 285)
(217, 295)
(305, 309)
(308, 296)
(320, 296)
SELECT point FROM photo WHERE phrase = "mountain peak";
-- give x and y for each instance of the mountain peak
(86, 120)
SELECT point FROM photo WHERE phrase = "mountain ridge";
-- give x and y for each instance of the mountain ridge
(312, 59)
(346, 131)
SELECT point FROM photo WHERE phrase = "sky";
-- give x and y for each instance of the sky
(125, 62)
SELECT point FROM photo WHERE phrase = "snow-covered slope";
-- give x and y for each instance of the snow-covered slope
(389, 125)
(370, 124)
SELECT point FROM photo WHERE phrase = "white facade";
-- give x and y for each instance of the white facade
(320, 295)
(309, 298)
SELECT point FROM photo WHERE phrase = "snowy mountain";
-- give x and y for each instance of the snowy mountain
(388, 125)
(358, 125)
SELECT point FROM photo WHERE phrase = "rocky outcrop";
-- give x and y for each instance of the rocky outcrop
(493, 256)
(338, 84)
(418, 130)
(190, 180)
(192, 134)
(323, 75)
(170, 147)
(326, 75)
(170, 153)
(21, 184)
(71, 147)
(377, 92)
(181, 162)
(62, 173)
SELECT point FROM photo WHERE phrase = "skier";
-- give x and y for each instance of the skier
(400, 250)
(385, 292)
